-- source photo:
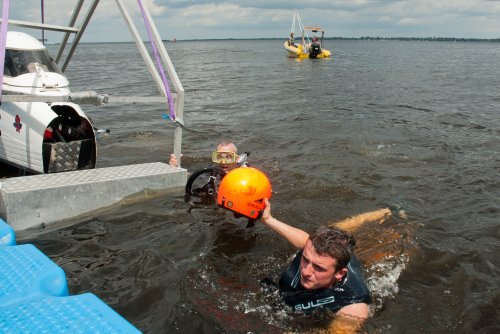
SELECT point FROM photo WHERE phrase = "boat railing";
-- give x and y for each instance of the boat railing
(85, 98)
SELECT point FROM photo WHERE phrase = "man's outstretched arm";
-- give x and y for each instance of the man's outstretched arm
(295, 236)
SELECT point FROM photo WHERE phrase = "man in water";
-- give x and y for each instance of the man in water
(325, 275)
(225, 155)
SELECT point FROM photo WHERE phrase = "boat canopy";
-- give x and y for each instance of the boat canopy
(314, 29)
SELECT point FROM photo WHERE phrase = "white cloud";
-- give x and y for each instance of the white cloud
(188, 19)
(385, 19)
(409, 21)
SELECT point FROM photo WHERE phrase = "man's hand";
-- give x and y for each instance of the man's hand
(173, 160)
(266, 213)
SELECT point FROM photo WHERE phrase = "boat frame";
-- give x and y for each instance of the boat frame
(98, 99)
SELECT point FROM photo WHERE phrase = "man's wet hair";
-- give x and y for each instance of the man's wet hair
(334, 242)
(227, 143)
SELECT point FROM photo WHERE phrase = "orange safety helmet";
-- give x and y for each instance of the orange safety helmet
(243, 190)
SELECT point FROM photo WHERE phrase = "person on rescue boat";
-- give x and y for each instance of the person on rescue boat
(324, 275)
(225, 156)
(291, 40)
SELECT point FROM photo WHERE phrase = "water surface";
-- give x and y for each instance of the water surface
(414, 124)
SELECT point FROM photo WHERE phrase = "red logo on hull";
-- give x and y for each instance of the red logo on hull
(17, 124)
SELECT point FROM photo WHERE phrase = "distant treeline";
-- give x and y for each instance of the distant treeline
(424, 39)
(369, 38)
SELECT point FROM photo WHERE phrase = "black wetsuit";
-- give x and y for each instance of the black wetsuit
(350, 290)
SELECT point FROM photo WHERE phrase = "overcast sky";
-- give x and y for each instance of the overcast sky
(202, 19)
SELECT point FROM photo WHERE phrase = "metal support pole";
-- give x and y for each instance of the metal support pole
(79, 34)
(72, 22)
(179, 106)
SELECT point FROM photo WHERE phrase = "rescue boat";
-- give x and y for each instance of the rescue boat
(299, 51)
(308, 48)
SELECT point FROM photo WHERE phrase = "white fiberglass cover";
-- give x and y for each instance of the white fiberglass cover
(29, 69)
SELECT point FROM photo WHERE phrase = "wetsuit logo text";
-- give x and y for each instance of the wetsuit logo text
(312, 304)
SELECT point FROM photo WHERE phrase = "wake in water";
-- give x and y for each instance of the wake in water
(384, 247)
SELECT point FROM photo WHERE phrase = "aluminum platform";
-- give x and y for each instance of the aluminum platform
(31, 201)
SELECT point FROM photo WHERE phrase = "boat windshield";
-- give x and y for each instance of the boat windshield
(19, 62)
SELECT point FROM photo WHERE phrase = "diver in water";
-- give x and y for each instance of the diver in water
(225, 156)
(325, 275)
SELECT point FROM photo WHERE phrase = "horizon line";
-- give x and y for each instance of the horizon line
(437, 39)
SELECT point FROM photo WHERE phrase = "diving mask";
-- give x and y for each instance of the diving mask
(224, 157)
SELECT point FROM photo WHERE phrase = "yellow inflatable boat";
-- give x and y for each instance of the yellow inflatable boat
(306, 48)
(308, 51)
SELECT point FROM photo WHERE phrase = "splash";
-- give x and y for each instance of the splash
(383, 277)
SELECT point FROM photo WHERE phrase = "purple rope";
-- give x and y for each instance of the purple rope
(158, 63)
(43, 21)
(3, 40)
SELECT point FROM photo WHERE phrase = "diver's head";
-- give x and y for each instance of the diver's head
(225, 155)
(243, 191)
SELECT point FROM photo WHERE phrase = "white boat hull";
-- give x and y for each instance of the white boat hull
(24, 141)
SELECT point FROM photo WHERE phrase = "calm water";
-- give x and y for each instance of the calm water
(382, 123)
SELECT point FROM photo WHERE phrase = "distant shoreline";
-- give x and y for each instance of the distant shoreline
(365, 38)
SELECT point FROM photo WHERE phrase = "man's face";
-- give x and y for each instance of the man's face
(318, 271)
(226, 167)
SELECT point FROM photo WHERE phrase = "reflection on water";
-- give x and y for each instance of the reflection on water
(379, 124)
